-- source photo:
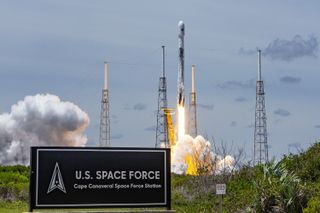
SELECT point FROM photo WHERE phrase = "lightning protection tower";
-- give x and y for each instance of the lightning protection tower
(193, 131)
(105, 116)
(260, 153)
(162, 127)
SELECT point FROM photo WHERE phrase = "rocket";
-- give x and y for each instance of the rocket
(181, 96)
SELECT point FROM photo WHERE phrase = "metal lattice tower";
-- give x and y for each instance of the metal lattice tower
(162, 129)
(260, 153)
(105, 139)
(193, 129)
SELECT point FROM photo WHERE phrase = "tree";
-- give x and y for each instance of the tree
(279, 190)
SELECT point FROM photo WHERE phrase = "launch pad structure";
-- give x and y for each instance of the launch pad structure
(162, 125)
(260, 152)
(193, 129)
(105, 135)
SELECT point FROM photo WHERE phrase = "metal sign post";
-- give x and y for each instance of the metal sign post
(221, 190)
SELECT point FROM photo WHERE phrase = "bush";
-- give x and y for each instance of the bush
(279, 190)
(306, 165)
(14, 183)
(313, 205)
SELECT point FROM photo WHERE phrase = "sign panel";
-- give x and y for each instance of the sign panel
(221, 189)
(99, 177)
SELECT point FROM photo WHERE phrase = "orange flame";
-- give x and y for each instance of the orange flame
(192, 165)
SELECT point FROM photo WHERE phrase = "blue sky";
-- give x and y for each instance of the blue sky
(59, 47)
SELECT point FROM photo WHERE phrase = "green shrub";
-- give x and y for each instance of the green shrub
(14, 183)
(313, 205)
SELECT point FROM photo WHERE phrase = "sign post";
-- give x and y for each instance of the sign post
(82, 177)
(221, 190)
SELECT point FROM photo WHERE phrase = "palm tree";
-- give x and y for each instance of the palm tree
(278, 190)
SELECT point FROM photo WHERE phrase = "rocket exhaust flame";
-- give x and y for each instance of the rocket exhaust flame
(181, 122)
(194, 156)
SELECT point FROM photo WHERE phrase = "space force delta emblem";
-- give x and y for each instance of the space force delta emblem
(56, 180)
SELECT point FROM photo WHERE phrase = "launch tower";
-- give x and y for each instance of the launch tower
(193, 131)
(260, 152)
(105, 139)
(161, 129)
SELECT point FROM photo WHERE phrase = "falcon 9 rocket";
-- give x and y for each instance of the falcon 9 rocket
(181, 96)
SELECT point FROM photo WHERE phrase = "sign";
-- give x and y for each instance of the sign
(221, 189)
(76, 177)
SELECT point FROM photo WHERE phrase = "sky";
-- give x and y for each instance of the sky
(59, 47)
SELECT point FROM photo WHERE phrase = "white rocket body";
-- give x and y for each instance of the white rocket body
(181, 96)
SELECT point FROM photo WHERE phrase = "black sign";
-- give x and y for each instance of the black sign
(99, 177)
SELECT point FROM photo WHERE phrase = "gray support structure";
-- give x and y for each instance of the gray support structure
(105, 135)
(260, 152)
(162, 128)
(193, 129)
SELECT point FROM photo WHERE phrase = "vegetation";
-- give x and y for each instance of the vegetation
(290, 185)
(14, 183)
(279, 190)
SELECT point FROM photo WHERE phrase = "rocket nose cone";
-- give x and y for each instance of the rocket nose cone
(181, 25)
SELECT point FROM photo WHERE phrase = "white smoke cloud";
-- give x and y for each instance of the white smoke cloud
(40, 120)
(200, 151)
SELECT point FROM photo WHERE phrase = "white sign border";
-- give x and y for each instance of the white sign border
(104, 204)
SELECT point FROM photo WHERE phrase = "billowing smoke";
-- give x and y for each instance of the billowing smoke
(195, 156)
(288, 50)
(40, 120)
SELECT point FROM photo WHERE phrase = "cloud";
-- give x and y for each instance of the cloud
(290, 80)
(117, 136)
(317, 126)
(282, 112)
(240, 99)
(150, 129)
(233, 124)
(287, 50)
(243, 51)
(231, 85)
(126, 107)
(208, 107)
(139, 106)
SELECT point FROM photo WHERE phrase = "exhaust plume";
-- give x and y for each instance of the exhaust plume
(194, 156)
(40, 120)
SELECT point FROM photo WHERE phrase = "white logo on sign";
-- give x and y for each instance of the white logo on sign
(56, 180)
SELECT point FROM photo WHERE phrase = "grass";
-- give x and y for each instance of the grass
(13, 207)
(19, 207)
